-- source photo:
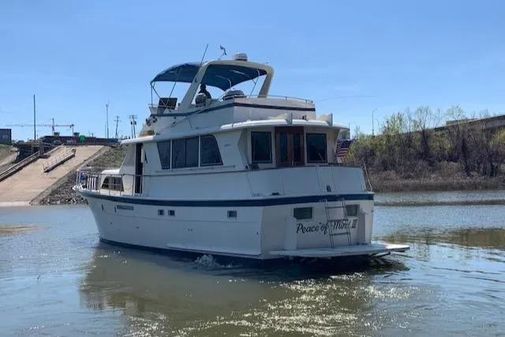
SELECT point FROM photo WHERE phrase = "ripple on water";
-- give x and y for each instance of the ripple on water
(350, 304)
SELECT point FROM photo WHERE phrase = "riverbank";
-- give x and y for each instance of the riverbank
(390, 182)
(62, 192)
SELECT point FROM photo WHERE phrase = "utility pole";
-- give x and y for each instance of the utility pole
(107, 120)
(133, 122)
(34, 120)
(373, 123)
(117, 122)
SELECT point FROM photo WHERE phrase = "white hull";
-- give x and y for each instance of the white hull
(258, 232)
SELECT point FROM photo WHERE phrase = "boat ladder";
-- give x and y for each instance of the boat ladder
(332, 221)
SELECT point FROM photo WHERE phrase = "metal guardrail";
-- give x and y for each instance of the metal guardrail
(18, 166)
(58, 160)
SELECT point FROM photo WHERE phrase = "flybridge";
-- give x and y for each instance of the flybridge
(221, 74)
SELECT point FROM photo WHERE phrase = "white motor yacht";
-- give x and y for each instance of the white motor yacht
(244, 175)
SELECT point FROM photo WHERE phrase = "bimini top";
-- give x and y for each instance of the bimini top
(221, 75)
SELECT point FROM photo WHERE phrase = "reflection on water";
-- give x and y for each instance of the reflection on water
(59, 280)
(14, 230)
(309, 298)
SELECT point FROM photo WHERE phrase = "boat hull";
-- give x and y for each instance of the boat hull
(253, 228)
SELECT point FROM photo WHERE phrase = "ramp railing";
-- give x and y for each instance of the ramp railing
(18, 166)
(58, 159)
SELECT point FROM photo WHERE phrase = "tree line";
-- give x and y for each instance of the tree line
(411, 145)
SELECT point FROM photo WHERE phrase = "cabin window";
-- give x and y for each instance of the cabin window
(209, 151)
(113, 183)
(261, 144)
(316, 148)
(283, 147)
(164, 151)
(185, 152)
(351, 210)
(302, 213)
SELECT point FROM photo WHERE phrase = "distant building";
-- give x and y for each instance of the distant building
(6, 136)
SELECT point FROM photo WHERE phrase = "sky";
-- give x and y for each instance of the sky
(351, 57)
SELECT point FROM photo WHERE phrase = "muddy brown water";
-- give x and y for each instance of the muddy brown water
(57, 279)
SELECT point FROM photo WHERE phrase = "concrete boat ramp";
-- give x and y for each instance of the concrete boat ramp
(22, 187)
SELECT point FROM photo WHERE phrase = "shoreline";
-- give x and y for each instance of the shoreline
(383, 184)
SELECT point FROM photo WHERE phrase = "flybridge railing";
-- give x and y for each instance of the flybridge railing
(224, 97)
(287, 98)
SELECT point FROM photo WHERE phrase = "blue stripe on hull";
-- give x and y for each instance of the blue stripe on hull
(232, 203)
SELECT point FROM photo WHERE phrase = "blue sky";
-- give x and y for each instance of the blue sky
(350, 57)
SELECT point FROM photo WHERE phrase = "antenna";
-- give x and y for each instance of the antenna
(204, 52)
(117, 122)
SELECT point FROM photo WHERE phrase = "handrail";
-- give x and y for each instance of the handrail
(18, 166)
(58, 160)
(286, 98)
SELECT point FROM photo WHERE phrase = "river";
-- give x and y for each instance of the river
(57, 279)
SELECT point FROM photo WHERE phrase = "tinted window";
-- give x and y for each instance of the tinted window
(283, 144)
(192, 152)
(113, 183)
(297, 148)
(261, 143)
(185, 152)
(209, 151)
(316, 147)
(302, 213)
(105, 183)
(351, 210)
(179, 153)
(164, 151)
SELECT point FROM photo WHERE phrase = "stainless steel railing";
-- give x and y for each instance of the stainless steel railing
(154, 106)
(89, 179)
